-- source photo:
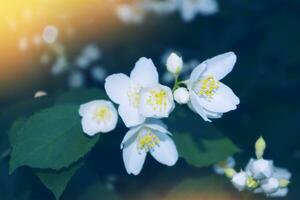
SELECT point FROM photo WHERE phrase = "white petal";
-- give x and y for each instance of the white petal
(282, 192)
(196, 106)
(212, 115)
(131, 133)
(219, 66)
(188, 10)
(133, 159)
(208, 7)
(130, 115)
(89, 126)
(166, 152)
(116, 87)
(281, 173)
(196, 73)
(224, 100)
(144, 73)
(156, 125)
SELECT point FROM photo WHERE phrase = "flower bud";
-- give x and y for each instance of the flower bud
(181, 95)
(239, 180)
(229, 172)
(283, 183)
(260, 147)
(174, 63)
(270, 185)
(261, 169)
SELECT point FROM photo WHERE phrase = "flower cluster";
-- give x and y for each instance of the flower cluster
(260, 175)
(142, 103)
(188, 9)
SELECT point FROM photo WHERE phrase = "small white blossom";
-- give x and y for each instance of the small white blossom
(50, 34)
(261, 169)
(239, 180)
(209, 97)
(98, 116)
(270, 185)
(181, 95)
(151, 137)
(220, 167)
(174, 63)
(140, 95)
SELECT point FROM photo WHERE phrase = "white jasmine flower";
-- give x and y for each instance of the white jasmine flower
(174, 63)
(270, 185)
(209, 97)
(189, 9)
(282, 192)
(261, 169)
(156, 101)
(98, 116)
(131, 14)
(239, 180)
(181, 95)
(50, 34)
(125, 90)
(220, 167)
(152, 137)
(76, 79)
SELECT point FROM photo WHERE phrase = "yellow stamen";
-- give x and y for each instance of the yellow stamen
(158, 99)
(208, 86)
(133, 96)
(102, 114)
(147, 141)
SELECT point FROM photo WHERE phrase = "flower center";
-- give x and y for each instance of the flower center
(208, 86)
(134, 96)
(158, 99)
(147, 141)
(102, 114)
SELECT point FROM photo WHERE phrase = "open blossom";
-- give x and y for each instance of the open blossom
(98, 116)
(209, 97)
(189, 9)
(140, 95)
(260, 169)
(151, 137)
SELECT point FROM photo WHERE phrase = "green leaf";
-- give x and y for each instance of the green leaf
(98, 191)
(57, 181)
(51, 139)
(199, 143)
(80, 96)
